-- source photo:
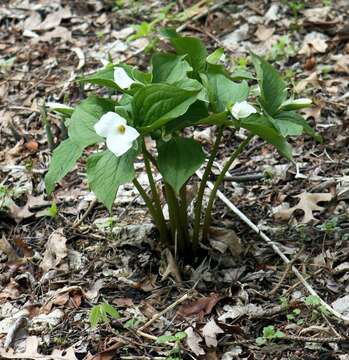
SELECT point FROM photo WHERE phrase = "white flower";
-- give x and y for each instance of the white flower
(119, 135)
(122, 79)
(242, 110)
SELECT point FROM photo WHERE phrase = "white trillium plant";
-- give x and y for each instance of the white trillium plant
(119, 136)
(184, 89)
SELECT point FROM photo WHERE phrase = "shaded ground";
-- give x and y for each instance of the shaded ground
(54, 268)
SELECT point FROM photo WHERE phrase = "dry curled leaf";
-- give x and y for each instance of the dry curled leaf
(193, 341)
(307, 203)
(210, 332)
(200, 307)
(56, 250)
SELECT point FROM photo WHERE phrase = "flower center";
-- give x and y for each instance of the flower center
(121, 129)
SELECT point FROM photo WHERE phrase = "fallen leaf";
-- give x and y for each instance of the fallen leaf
(312, 79)
(222, 239)
(307, 203)
(316, 14)
(236, 311)
(264, 33)
(342, 305)
(56, 250)
(10, 291)
(313, 43)
(93, 293)
(193, 341)
(210, 332)
(200, 307)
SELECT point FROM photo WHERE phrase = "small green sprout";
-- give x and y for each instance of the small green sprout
(101, 314)
(269, 334)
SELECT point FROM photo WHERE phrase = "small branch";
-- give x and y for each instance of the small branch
(158, 315)
(77, 223)
(277, 250)
(47, 126)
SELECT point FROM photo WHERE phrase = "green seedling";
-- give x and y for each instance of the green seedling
(269, 334)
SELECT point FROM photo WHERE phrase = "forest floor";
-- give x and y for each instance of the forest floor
(61, 256)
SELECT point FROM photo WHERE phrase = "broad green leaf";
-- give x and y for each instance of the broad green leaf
(178, 160)
(273, 88)
(241, 74)
(81, 127)
(63, 160)
(106, 172)
(95, 316)
(156, 104)
(169, 68)
(193, 85)
(261, 126)
(196, 112)
(103, 77)
(222, 91)
(215, 56)
(296, 119)
(111, 311)
(165, 338)
(193, 48)
(286, 127)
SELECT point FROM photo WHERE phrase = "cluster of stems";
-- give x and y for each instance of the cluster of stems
(179, 231)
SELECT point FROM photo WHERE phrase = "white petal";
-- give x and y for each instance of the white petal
(130, 133)
(242, 110)
(122, 79)
(116, 144)
(108, 122)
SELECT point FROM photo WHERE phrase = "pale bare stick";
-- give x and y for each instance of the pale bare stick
(158, 315)
(277, 250)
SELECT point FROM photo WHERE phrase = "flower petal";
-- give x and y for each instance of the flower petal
(242, 110)
(108, 122)
(117, 145)
(130, 133)
(122, 79)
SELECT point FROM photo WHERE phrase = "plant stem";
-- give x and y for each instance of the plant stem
(156, 198)
(47, 125)
(198, 204)
(183, 212)
(175, 220)
(218, 181)
(152, 210)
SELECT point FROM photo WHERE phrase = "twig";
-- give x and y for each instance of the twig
(285, 273)
(158, 315)
(244, 178)
(277, 250)
(84, 216)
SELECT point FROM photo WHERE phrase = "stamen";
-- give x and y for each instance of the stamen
(121, 128)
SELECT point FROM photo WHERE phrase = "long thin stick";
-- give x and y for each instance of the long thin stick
(277, 250)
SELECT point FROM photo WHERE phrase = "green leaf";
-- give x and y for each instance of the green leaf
(193, 48)
(293, 117)
(156, 104)
(178, 159)
(111, 311)
(63, 160)
(273, 88)
(103, 77)
(196, 112)
(81, 128)
(261, 341)
(106, 172)
(261, 126)
(165, 338)
(222, 91)
(286, 127)
(279, 334)
(95, 316)
(215, 56)
(241, 74)
(169, 68)
(268, 332)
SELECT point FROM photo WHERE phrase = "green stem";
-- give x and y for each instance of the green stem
(205, 176)
(183, 212)
(175, 221)
(218, 181)
(152, 210)
(156, 198)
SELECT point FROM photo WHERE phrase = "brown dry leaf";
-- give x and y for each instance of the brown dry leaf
(193, 341)
(59, 32)
(222, 239)
(307, 203)
(210, 332)
(93, 293)
(263, 33)
(52, 20)
(312, 79)
(316, 14)
(200, 307)
(9, 292)
(314, 42)
(342, 63)
(7, 248)
(56, 250)
(31, 352)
